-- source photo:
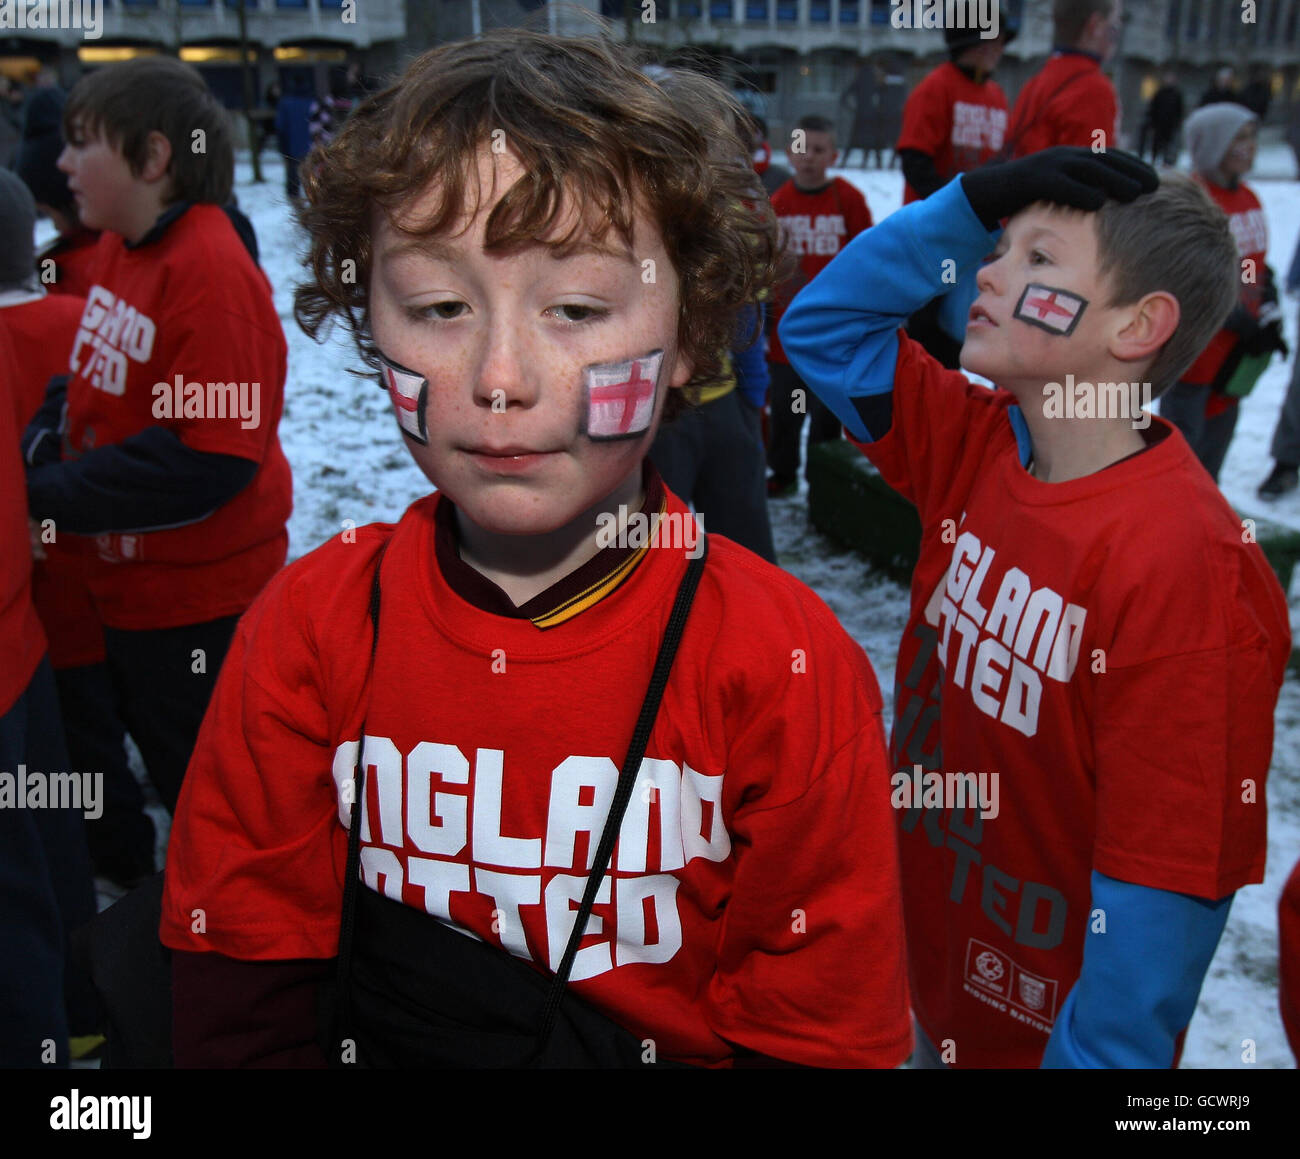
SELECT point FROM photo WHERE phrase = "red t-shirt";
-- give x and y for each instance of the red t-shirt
(1065, 104)
(753, 895)
(43, 331)
(191, 304)
(815, 227)
(1113, 650)
(74, 257)
(959, 123)
(22, 643)
(1250, 231)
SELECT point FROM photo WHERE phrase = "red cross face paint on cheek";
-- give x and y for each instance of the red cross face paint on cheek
(619, 397)
(409, 391)
(1053, 310)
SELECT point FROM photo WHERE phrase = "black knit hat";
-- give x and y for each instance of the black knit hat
(36, 160)
(960, 39)
(17, 232)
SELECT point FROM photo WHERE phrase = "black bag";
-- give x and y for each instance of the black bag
(412, 992)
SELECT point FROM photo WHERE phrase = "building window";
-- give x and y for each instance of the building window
(720, 10)
(787, 11)
(196, 3)
(848, 11)
(819, 12)
(1173, 17)
(291, 3)
(757, 10)
(880, 10)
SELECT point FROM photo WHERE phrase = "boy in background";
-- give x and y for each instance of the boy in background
(168, 460)
(1205, 404)
(1070, 101)
(954, 120)
(1091, 632)
(500, 294)
(73, 250)
(818, 217)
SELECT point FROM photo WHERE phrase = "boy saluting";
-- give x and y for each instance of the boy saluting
(1106, 639)
(544, 255)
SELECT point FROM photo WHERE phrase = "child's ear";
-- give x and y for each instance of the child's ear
(683, 368)
(1151, 322)
(158, 157)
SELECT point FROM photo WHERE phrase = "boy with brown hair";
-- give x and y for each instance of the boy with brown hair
(1095, 642)
(159, 456)
(546, 252)
(818, 217)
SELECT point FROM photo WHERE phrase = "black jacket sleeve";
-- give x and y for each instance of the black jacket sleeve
(41, 441)
(919, 171)
(149, 482)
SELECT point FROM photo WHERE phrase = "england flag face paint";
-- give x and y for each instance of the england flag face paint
(409, 391)
(619, 397)
(1053, 310)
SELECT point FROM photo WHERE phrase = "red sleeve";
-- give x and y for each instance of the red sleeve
(859, 214)
(229, 1014)
(1180, 789)
(811, 964)
(1288, 959)
(944, 429)
(231, 347)
(257, 853)
(927, 116)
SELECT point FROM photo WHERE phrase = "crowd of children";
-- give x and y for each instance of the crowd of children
(651, 767)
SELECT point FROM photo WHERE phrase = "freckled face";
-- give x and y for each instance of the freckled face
(503, 340)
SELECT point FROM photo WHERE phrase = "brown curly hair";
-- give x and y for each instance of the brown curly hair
(587, 123)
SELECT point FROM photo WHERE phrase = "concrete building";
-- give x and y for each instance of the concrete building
(286, 38)
(789, 57)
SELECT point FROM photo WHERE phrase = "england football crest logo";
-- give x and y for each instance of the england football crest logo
(409, 391)
(1032, 991)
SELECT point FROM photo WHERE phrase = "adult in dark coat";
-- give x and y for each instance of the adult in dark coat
(1164, 117)
(293, 133)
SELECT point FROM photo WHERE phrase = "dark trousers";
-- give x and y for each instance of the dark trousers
(161, 697)
(1184, 406)
(292, 181)
(1286, 435)
(45, 893)
(122, 838)
(786, 411)
(711, 457)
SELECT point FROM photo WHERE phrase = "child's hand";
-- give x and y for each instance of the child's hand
(1064, 175)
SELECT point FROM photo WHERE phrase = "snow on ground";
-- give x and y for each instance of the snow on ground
(350, 464)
